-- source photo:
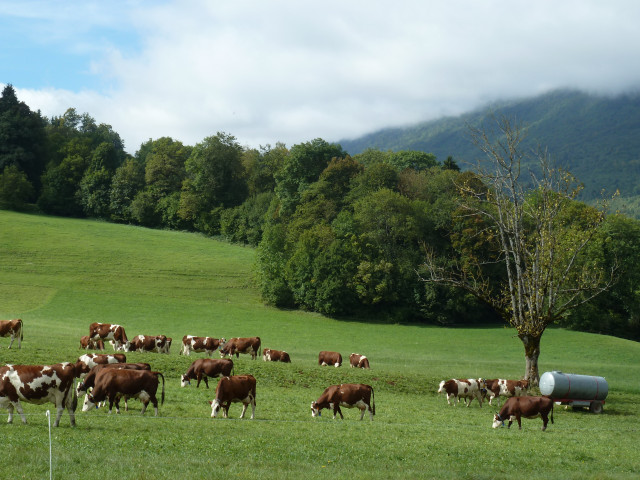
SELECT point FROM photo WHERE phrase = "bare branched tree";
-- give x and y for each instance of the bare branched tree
(536, 234)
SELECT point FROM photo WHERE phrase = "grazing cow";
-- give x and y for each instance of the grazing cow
(13, 329)
(112, 332)
(462, 388)
(200, 344)
(113, 383)
(207, 367)
(346, 395)
(89, 380)
(86, 343)
(527, 407)
(506, 388)
(329, 358)
(88, 361)
(39, 384)
(149, 343)
(271, 355)
(249, 345)
(358, 361)
(239, 388)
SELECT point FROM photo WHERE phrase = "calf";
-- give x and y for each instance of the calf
(207, 367)
(88, 361)
(462, 388)
(86, 343)
(112, 332)
(358, 361)
(239, 388)
(39, 384)
(346, 395)
(271, 355)
(149, 343)
(112, 383)
(89, 380)
(329, 358)
(248, 345)
(525, 406)
(200, 344)
(506, 388)
(13, 329)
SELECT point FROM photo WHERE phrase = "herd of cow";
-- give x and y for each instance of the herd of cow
(110, 378)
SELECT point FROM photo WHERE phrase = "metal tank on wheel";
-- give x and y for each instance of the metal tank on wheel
(575, 390)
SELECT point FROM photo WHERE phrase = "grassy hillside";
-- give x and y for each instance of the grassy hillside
(596, 138)
(59, 275)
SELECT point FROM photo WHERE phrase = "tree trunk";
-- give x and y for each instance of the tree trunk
(531, 354)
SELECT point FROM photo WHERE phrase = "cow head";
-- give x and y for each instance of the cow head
(215, 408)
(497, 421)
(184, 381)
(315, 411)
(88, 403)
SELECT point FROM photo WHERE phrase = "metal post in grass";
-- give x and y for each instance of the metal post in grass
(50, 456)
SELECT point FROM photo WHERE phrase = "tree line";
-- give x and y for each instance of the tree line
(342, 235)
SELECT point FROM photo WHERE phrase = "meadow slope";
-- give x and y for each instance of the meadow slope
(59, 275)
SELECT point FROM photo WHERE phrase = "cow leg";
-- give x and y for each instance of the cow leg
(244, 409)
(253, 408)
(206, 381)
(519, 419)
(199, 377)
(59, 410)
(362, 411)
(225, 408)
(336, 409)
(545, 420)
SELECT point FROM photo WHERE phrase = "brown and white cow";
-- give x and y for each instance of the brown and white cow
(347, 395)
(89, 380)
(200, 344)
(527, 407)
(358, 361)
(468, 388)
(149, 343)
(271, 355)
(112, 332)
(13, 329)
(238, 388)
(86, 343)
(329, 358)
(114, 383)
(39, 384)
(89, 360)
(248, 345)
(203, 368)
(500, 387)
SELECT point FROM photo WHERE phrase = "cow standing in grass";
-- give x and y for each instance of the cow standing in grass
(347, 395)
(13, 329)
(527, 407)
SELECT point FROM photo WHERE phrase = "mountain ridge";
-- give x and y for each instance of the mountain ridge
(595, 137)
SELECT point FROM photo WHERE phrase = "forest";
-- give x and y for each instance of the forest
(343, 235)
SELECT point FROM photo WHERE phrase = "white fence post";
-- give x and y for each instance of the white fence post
(50, 457)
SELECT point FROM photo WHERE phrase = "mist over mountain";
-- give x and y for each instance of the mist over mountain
(597, 138)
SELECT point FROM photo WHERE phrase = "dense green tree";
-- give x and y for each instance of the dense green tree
(215, 179)
(245, 223)
(15, 188)
(301, 168)
(95, 191)
(127, 181)
(22, 138)
(261, 166)
(60, 187)
(412, 159)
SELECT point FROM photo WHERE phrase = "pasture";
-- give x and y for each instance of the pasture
(60, 275)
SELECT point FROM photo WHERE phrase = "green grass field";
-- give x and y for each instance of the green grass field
(60, 275)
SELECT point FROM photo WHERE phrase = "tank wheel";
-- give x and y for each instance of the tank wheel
(595, 407)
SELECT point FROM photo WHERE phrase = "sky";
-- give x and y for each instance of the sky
(268, 71)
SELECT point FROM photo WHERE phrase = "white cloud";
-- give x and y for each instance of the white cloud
(291, 71)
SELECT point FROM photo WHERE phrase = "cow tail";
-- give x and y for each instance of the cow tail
(20, 329)
(162, 397)
(552, 411)
(373, 402)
